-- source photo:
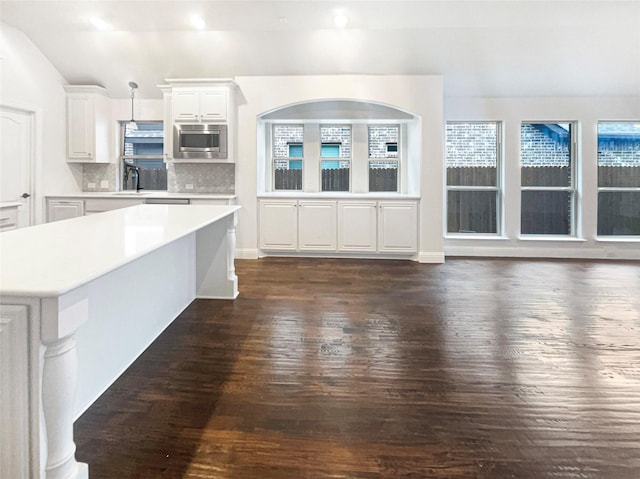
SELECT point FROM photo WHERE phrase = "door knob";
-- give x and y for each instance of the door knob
(25, 195)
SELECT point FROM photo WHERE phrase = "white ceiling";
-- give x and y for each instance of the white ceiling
(482, 48)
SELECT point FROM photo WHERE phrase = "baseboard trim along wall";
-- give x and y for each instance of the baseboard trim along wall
(602, 252)
(431, 257)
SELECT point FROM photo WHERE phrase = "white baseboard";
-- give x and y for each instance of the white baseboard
(430, 257)
(246, 253)
(543, 252)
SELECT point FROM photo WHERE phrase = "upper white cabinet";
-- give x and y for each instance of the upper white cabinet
(200, 104)
(88, 116)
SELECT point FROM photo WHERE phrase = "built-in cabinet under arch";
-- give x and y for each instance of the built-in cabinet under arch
(307, 219)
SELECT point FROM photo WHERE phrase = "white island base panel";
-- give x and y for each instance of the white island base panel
(62, 348)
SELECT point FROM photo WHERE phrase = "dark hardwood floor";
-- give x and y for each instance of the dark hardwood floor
(386, 369)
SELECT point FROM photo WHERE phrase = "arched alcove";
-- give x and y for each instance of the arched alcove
(360, 117)
(337, 109)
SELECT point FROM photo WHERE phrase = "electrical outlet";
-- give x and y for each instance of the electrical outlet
(104, 184)
(91, 186)
(188, 186)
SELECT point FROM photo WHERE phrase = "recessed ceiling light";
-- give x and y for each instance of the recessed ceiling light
(198, 22)
(99, 23)
(340, 21)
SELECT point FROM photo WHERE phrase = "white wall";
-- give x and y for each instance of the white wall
(587, 111)
(420, 95)
(29, 81)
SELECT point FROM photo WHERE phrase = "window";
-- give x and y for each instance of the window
(473, 188)
(618, 178)
(547, 179)
(288, 156)
(335, 143)
(142, 156)
(383, 145)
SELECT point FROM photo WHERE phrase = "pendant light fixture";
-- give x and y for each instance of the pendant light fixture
(132, 123)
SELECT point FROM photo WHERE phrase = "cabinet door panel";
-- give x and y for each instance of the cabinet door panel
(80, 127)
(279, 225)
(317, 226)
(14, 393)
(62, 210)
(213, 105)
(357, 226)
(397, 227)
(185, 105)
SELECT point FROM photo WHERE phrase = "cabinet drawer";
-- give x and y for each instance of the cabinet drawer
(99, 204)
(8, 218)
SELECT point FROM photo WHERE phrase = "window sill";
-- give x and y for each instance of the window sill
(564, 239)
(474, 236)
(618, 239)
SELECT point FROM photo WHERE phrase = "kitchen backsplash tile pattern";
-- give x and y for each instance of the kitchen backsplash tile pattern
(181, 178)
(201, 178)
(99, 177)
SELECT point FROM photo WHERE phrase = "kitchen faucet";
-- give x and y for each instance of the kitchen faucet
(134, 171)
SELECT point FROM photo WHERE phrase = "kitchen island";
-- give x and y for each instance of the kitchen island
(80, 300)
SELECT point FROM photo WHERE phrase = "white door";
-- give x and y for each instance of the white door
(16, 160)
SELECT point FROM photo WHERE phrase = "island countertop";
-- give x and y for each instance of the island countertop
(53, 258)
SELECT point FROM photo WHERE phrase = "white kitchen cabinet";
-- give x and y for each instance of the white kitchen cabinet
(209, 201)
(88, 119)
(64, 209)
(291, 225)
(378, 226)
(15, 403)
(99, 205)
(317, 224)
(279, 225)
(200, 104)
(8, 218)
(167, 121)
(397, 226)
(357, 226)
(345, 226)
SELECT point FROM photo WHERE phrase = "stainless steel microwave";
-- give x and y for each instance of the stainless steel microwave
(200, 142)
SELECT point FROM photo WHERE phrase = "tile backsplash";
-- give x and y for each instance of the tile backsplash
(99, 177)
(201, 177)
(181, 177)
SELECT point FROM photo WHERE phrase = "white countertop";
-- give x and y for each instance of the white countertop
(53, 258)
(143, 194)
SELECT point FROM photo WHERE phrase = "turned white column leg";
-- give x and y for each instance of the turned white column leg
(58, 394)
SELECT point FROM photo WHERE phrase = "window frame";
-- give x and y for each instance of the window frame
(611, 189)
(498, 189)
(274, 158)
(572, 188)
(398, 158)
(122, 157)
(339, 158)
